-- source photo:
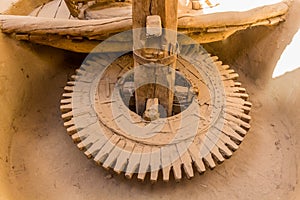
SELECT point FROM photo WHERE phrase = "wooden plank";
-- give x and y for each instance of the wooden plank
(63, 11)
(49, 10)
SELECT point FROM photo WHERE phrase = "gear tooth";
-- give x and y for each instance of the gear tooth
(187, 166)
(154, 176)
(243, 109)
(76, 137)
(71, 83)
(71, 130)
(176, 166)
(214, 58)
(239, 114)
(144, 163)
(122, 160)
(134, 161)
(209, 160)
(243, 96)
(219, 64)
(224, 149)
(237, 121)
(74, 77)
(67, 116)
(155, 163)
(66, 108)
(247, 103)
(79, 71)
(242, 90)
(185, 159)
(232, 76)
(225, 67)
(166, 173)
(229, 142)
(67, 95)
(89, 138)
(69, 123)
(215, 151)
(121, 163)
(80, 146)
(237, 128)
(87, 142)
(198, 162)
(231, 133)
(114, 154)
(230, 71)
(69, 88)
(166, 163)
(66, 101)
(176, 162)
(103, 154)
(237, 84)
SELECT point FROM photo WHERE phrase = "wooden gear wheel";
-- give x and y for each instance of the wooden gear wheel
(206, 131)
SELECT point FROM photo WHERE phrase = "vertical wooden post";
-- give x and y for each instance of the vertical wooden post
(155, 56)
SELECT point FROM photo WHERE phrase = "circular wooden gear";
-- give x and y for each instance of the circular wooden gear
(203, 134)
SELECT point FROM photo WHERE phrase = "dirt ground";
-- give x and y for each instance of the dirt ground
(38, 160)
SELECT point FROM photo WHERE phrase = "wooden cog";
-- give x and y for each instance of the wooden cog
(205, 133)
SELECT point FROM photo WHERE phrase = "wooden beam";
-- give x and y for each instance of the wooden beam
(156, 55)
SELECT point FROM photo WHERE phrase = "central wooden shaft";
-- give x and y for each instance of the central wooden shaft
(155, 52)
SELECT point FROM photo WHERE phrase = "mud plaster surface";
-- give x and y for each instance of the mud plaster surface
(38, 160)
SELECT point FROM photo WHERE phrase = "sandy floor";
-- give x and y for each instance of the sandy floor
(39, 161)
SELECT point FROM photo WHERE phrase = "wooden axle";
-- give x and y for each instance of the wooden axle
(154, 52)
